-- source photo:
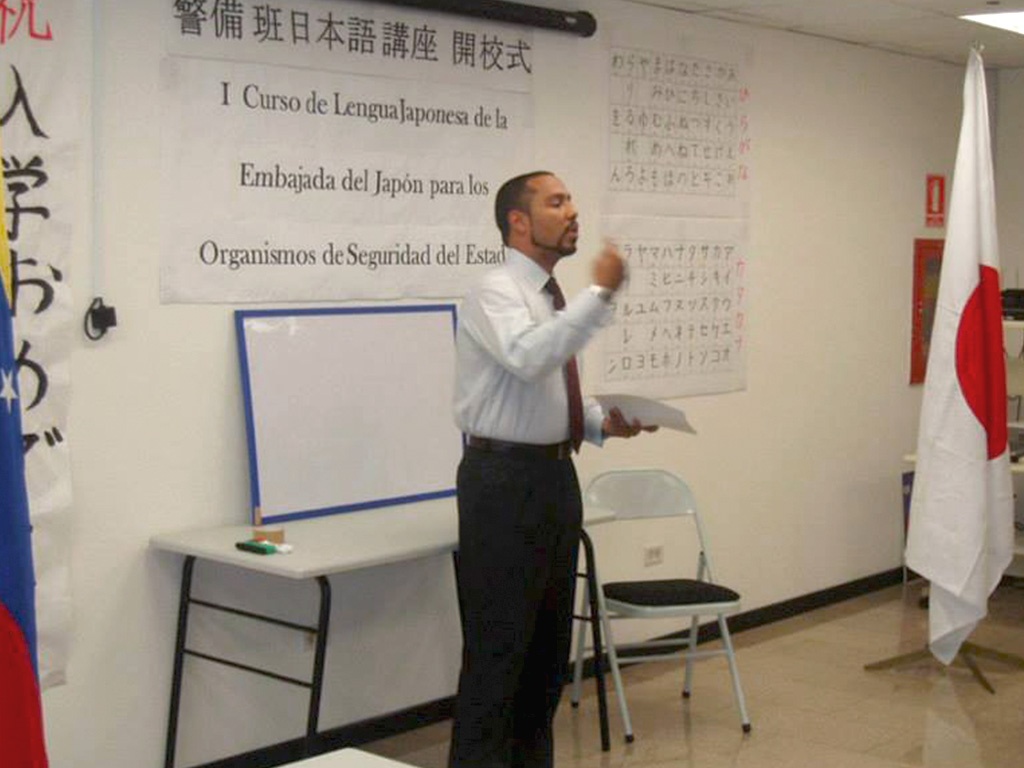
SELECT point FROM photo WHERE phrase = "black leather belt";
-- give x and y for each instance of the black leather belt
(525, 450)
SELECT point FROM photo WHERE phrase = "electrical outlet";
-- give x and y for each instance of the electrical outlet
(654, 554)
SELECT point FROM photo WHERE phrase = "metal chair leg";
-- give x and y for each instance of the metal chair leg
(737, 689)
(613, 661)
(692, 640)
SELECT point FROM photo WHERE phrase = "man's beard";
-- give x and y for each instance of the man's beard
(560, 247)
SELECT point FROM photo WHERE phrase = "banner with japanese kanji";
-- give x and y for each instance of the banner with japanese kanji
(44, 86)
(341, 150)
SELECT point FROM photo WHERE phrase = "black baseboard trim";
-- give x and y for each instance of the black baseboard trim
(787, 609)
(395, 723)
(377, 728)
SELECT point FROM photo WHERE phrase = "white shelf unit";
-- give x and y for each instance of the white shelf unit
(1017, 566)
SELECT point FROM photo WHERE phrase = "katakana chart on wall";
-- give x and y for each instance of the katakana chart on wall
(323, 150)
(680, 319)
(678, 133)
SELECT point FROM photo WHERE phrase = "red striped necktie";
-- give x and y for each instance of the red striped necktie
(572, 377)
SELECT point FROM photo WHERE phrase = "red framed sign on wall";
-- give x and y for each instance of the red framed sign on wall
(927, 266)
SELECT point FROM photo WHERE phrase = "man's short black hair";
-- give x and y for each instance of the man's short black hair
(514, 195)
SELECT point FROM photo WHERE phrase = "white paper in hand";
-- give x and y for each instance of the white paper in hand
(648, 412)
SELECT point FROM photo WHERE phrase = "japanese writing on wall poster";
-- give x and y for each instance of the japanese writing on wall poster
(679, 322)
(21, 19)
(34, 275)
(677, 203)
(44, 83)
(383, 130)
(353, 30)
(678, 127)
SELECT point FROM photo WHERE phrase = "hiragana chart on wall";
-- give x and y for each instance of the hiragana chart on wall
(680, 319)
(679, 136)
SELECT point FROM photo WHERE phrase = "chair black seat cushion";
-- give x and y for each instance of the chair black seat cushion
(669, 592)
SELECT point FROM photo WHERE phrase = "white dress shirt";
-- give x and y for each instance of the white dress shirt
(511, 347)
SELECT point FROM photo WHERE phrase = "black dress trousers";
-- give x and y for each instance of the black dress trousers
(519, 530)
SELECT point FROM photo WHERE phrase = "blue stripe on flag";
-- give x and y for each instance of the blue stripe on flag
(17, 577)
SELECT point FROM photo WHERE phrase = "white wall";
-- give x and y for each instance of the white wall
(799, 474)
(1009, 154)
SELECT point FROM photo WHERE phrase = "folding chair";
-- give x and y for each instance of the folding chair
(653, 493)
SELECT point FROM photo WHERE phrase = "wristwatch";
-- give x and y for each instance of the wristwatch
(605, 294)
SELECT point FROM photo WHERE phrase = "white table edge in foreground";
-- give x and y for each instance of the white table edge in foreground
(347, 758)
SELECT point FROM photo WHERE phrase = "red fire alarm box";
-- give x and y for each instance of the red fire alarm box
(935, 201)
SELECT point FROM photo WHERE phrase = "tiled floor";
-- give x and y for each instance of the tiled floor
(810, 700)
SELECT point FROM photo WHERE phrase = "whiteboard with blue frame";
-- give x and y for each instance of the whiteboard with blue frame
(348, 408)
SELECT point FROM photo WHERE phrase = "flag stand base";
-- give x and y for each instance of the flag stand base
(967, 654)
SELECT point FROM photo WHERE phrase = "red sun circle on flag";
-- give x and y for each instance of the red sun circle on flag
(980, 368)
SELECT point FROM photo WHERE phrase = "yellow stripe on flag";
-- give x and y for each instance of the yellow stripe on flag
(5, 247)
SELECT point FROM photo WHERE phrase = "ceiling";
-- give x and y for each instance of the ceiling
(927, 29)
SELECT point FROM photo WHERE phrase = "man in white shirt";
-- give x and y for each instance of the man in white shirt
(518, 403)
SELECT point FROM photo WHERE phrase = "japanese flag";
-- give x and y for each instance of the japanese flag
(961, 516)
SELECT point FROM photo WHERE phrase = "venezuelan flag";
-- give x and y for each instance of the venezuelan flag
(21, 720)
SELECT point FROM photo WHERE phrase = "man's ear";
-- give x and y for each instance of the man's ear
(518, 221)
